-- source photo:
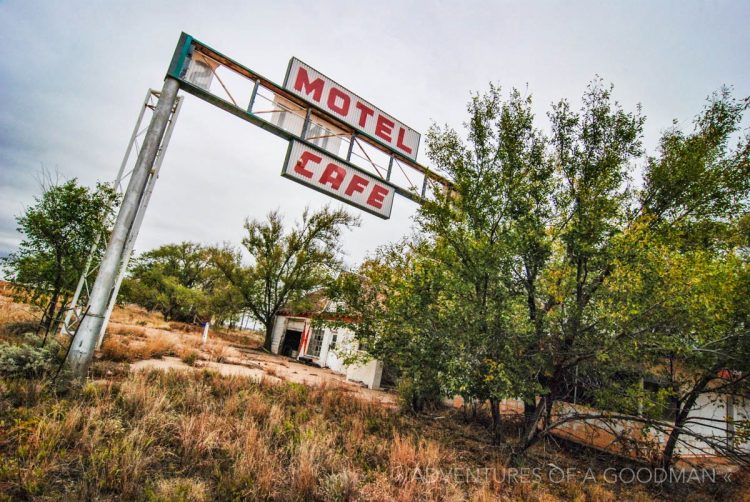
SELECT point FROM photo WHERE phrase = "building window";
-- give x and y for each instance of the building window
(334, 339)
(316, 342)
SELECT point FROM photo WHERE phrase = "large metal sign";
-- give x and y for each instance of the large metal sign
(314, 110)
(318, 170)
(323, 123)
(313, 86)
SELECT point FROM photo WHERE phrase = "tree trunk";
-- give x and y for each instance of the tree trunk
(269, 335)
(416, 405)
(495, 409)
(531, 434)
(529, 405)
(682, 416)
(55, 326)
(51, 309)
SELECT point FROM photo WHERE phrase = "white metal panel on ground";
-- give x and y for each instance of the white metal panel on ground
(368, 373)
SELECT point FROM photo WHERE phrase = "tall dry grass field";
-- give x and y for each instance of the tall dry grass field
(199, 436)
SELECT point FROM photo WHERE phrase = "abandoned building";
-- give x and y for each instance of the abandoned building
(295, 335)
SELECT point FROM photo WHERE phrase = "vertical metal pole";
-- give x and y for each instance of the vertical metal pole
(305, 124)
(424, 186)
(351, 146)
(135, 229)
(390, 168)
(252, 97)
(84, 342)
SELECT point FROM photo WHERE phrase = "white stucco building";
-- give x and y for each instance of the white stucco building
(294, 336)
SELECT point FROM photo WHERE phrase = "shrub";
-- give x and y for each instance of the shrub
(28, 360)
(15, 329)
(189, 356)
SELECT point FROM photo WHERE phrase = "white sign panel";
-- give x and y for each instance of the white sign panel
(313, 86)
(346, 182)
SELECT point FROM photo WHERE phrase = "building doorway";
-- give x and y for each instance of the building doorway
(291, 343)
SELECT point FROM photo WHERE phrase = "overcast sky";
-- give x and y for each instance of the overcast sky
(73, 76)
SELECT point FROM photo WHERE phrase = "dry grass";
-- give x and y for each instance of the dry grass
(16, 318)
(117, 349)
(122, 349)
(126, 330)
(216, 351)
(135, 315)
(188, 355)
(199, 436)
(184, 327)
(128, 343)
(193, 436)
(250, 339)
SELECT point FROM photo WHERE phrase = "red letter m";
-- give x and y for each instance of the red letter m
(303, 84)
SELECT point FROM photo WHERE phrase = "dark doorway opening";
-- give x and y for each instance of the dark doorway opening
(291, 342)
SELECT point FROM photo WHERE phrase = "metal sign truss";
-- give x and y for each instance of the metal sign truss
(225, 83)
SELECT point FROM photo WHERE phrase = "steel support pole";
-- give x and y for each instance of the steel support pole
(116, 187)
(136, 228)
(305, 124)
(352, 139)
(84, 342)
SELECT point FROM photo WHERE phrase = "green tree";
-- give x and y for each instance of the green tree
(447, 310)
(285, 264)
(696, 201)
(392, 303)
(592, 151)
(644, 282)
(59, 230)
(181, 282)
(490, 240)
(543, 274)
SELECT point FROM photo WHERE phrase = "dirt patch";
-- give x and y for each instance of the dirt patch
(274, 368)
